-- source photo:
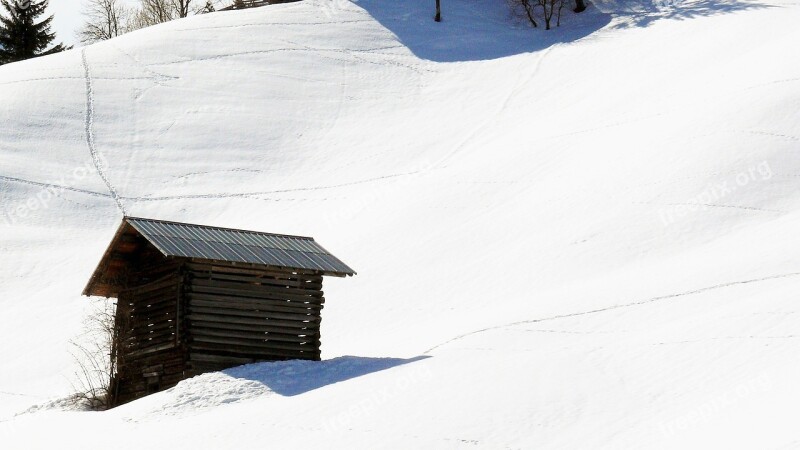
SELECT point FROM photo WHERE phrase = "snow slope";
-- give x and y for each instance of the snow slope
(585, 238)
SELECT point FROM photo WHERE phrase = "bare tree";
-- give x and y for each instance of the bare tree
(181, 7)
(152, 12)
(548, 8)
(209, 7)
(528, 7)
(580, 6)
(105, 19)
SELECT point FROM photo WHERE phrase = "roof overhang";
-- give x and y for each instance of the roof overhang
(213, 244)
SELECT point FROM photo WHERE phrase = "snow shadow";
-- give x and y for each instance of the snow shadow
(475, 30)
(296, 377)
(637, 13)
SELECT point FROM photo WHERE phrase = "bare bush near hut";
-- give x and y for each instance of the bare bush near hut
(96, 356)
(104, 19)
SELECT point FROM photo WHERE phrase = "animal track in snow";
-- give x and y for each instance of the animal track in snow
(98, 164)
(613, 307)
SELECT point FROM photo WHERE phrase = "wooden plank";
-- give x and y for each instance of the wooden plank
(223, 301)
(260, 279)
(143, 341)
(256, 353)
(260, 337)
(293, 291)
(311, 330)
(204, 357)
(251, 294)
(136, 322)
(155, 310)
(168, 281)
(155, 296)
(143, 345)
(155, 323)
(312, 322)
(291, 274)
(249, 344)
(254, 314)
(151, 350)
(309, 302)
(139, 335)
(156, 368)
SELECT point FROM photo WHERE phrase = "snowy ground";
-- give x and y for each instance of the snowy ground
(585, 238)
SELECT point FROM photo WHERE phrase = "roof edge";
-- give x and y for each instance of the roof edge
(291, 236)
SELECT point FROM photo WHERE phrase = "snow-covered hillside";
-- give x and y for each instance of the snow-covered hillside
(583, 238)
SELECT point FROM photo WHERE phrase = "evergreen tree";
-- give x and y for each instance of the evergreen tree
(21, 37)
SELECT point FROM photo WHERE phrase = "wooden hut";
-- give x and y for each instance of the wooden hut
(194, 299)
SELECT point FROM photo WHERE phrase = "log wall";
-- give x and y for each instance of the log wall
(187, 317)
(151, 355)
(238, 315)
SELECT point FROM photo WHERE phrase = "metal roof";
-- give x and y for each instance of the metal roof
(224, 244)
(181, 240)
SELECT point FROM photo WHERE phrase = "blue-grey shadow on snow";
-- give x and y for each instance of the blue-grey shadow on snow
(638, 13)
(296, 377)
(475, 30)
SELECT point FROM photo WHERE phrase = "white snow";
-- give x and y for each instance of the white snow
(583, 238)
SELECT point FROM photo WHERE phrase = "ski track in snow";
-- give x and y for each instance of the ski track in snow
(280, 191)
(321, 52)
(18, 394)
(53, 186)
(777, 135)
(252, 195)
(26, 80)
(613, 307)
(272, 24)
(770, 83)
(493, 118)
(711, 205)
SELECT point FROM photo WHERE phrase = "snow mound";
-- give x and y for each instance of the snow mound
(285, 378)
(207, 391)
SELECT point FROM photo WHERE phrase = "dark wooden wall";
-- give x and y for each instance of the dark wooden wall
(238, 315)
(150, 355)
(186, 317)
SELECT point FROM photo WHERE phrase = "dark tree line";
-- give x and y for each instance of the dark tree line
(22, 34)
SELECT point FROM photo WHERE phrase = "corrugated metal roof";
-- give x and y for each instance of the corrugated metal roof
(224, 244)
